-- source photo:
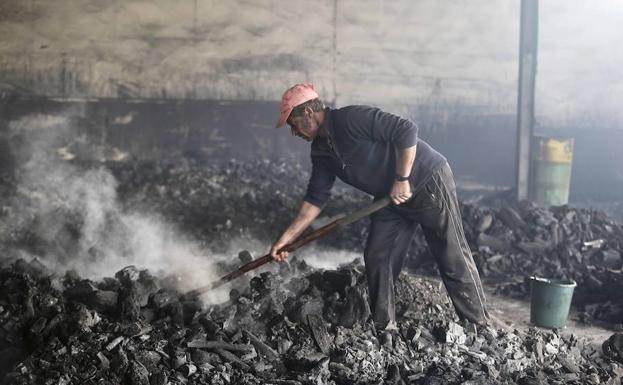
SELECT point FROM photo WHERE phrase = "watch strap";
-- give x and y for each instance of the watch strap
(401, 178)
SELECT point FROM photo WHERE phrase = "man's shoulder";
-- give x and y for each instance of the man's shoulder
(361, 108)
(355, 114)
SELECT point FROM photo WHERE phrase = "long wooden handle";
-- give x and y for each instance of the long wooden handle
(296, 244)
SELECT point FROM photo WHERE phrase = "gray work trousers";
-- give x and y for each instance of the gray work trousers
(435, 207)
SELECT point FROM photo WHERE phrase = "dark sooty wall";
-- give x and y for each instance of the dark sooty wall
(480, 147)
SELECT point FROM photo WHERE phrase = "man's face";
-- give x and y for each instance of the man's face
(303, 126)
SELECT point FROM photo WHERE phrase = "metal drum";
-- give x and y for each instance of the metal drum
(551, 170)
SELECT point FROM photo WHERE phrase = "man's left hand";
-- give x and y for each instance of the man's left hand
(401, 192)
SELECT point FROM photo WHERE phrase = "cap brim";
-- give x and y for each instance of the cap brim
(282, 118)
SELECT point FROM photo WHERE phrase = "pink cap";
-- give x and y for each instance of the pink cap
(295, 95)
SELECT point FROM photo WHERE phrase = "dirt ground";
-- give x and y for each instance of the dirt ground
(516, 314)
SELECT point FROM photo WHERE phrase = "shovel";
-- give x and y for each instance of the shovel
(357, 215)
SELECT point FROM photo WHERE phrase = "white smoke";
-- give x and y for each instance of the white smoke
(76, 214)
(328, 258)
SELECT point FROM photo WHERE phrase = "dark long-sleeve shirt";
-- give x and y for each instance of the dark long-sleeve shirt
(360, 149)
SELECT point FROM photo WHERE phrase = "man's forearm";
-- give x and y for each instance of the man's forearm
(404, 161)
(401, 189)
(306, 215)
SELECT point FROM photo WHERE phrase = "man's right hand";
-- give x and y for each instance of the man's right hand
(279, 257)
(306, 215)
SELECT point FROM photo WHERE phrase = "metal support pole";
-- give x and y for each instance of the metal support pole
(334, 53)
(528, 47)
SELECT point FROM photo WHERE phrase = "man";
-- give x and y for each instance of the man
(380, 154)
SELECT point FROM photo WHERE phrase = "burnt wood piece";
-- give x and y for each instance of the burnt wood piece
(112, 344)
(613, 347)
(127, 275)
(149, 359)
(493, 242)
(319, 332)
(188, 369)
(356, 308)
(233, 359)
(158, 378)
(129, 303)
(271, 355)
(535, 247)
(138, 374)
(339, 280)
(484, 223)
(245, 256)
(264, 349)
(201, 357)
(160, 299)
(85, 292)
(213, 345)
(102, 300)
(513, 220)
(212, 328)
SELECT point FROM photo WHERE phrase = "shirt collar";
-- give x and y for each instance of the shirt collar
(327, 125)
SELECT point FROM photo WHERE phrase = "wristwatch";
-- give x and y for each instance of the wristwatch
(401, 178)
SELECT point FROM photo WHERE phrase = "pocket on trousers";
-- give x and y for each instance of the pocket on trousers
(428, 198)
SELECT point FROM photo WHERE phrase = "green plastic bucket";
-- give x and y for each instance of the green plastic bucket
(550, 301)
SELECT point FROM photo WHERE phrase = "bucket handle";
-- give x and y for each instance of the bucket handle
(571, 283)
(539, 279)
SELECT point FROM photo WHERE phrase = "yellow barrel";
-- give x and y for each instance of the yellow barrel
(551, 170)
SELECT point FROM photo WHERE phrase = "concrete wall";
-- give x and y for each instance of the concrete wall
(480, 147)
(392, 53)
(203, 76)
(356, 51)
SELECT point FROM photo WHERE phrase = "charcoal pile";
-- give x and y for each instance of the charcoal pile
(291, 325)
(558, 242)
(223, 200)
(209, 204)
(219, 202)
(510, 241)
(613, 347)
